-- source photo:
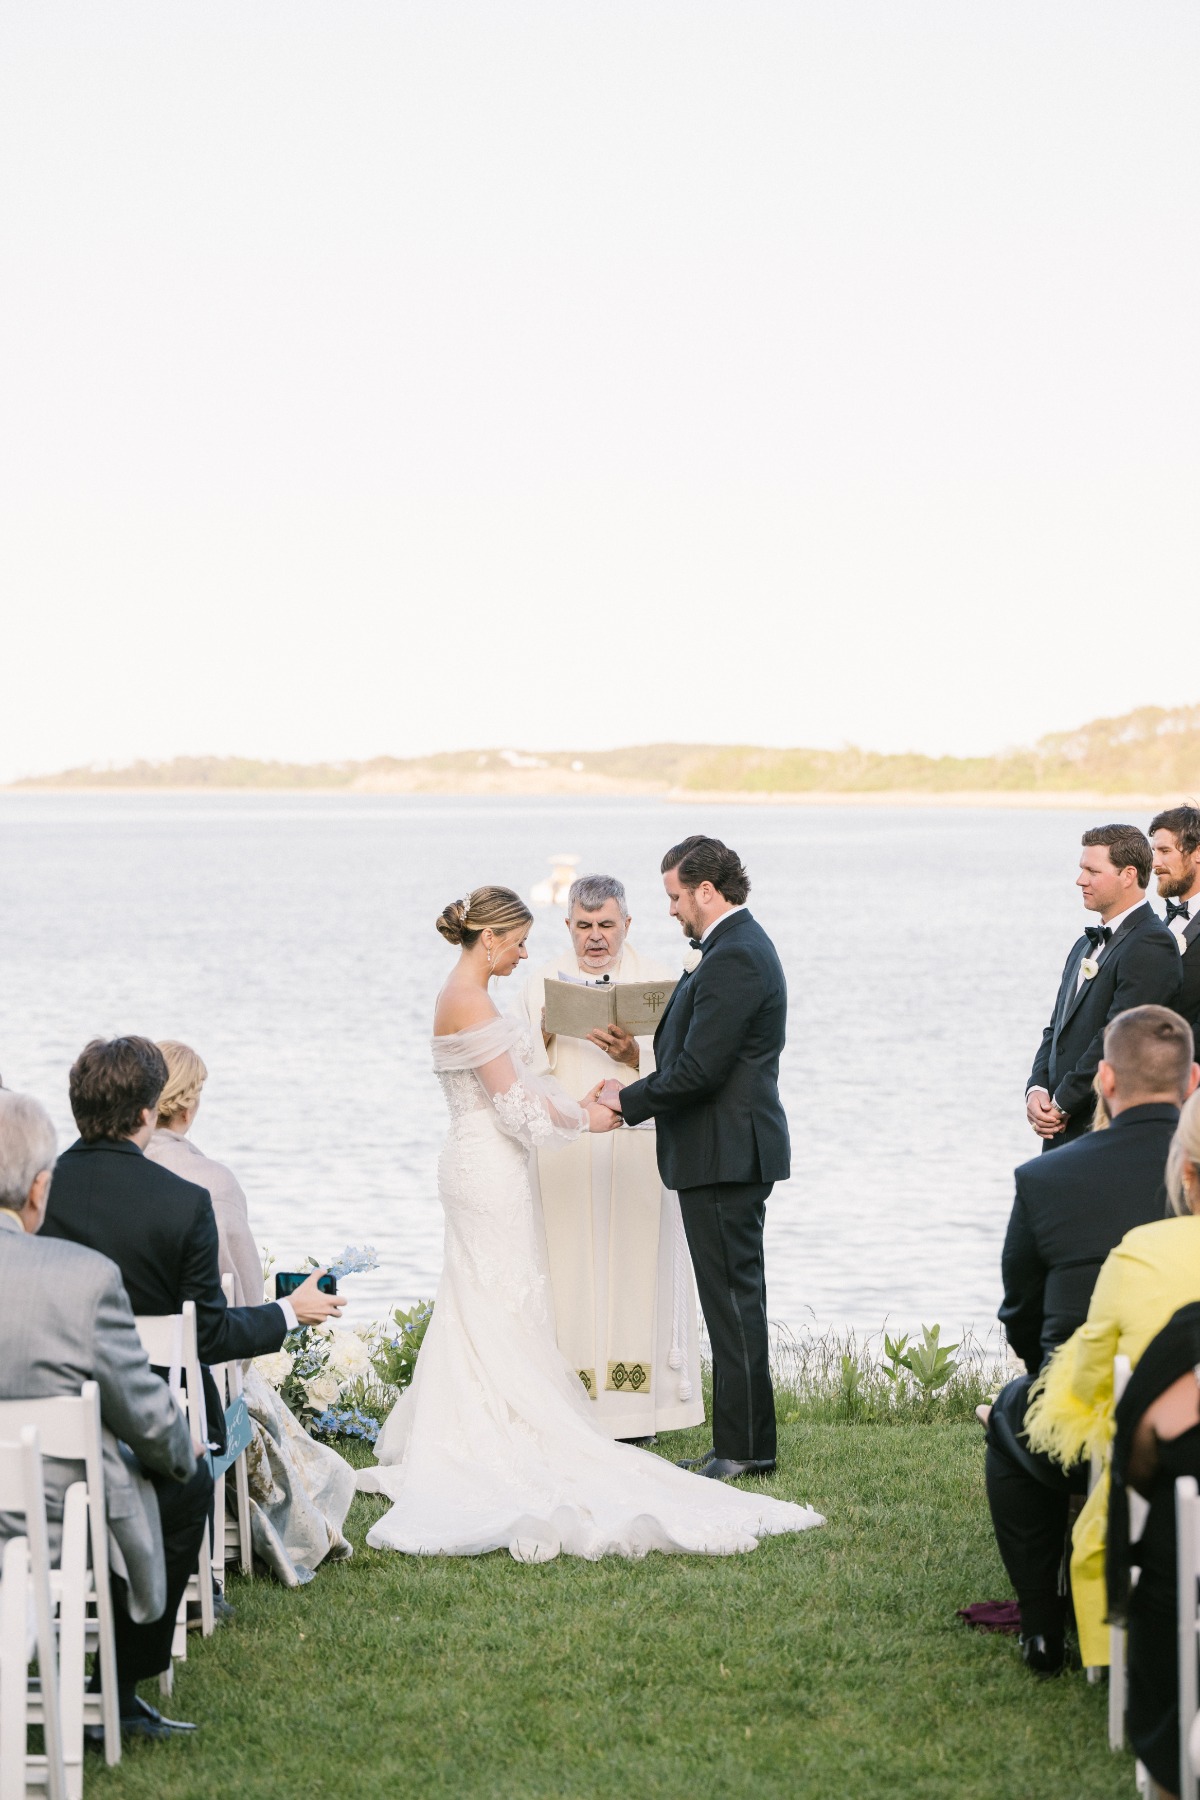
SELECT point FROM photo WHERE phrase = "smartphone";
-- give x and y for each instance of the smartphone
(287, 1284)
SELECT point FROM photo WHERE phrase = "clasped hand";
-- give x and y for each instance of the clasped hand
(1047, 1119)
(603, 1106)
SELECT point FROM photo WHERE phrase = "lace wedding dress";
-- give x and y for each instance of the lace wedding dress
(492, 1447)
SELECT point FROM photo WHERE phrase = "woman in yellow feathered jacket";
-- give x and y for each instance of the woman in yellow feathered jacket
(1153, 1271)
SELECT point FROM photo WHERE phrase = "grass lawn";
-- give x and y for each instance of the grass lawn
(825, 1665)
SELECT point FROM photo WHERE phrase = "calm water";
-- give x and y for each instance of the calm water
(291, 941)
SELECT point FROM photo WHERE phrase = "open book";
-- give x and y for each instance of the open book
(575, 1008)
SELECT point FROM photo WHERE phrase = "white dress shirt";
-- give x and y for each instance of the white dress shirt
(725, 915)
(1179, 924)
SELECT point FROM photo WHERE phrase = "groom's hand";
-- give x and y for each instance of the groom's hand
(617, 1043)
(610, 1096)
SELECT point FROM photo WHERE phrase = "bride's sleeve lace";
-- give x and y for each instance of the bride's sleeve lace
(530, 1107)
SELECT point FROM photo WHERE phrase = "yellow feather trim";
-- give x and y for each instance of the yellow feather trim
(1058, 1421)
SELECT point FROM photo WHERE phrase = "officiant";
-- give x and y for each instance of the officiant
(624, 1294)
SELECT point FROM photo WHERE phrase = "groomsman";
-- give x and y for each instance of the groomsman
(1128, 959)
(1175, 837)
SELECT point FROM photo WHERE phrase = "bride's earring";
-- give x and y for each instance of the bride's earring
(489, 957)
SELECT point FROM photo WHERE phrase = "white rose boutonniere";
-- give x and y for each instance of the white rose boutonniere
(1090, 967)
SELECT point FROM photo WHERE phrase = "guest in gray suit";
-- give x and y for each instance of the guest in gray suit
(65, 1320)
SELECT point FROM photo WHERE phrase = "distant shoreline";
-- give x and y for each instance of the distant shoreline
(1039, 799)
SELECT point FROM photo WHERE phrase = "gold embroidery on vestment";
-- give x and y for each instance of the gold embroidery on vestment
(629, 1377)
(588, 1378)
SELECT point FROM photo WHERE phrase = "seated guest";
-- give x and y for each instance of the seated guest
(237, 1253)
(66, 1320)
(1157, 1439)
(300, 1491)
(1153, 1271)
(1070, 1210)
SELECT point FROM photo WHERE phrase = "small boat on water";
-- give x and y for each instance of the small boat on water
(555, 889)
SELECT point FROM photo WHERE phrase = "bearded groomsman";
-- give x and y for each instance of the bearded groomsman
(1175, 836)
(620, 1274)
(1128, 959)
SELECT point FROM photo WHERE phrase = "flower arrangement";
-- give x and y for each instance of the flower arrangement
(319, 1364)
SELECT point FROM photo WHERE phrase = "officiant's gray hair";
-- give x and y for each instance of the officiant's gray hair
(591, 891)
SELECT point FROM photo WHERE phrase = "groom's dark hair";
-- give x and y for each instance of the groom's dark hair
(700, 859)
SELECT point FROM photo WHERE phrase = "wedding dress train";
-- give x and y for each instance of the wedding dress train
(491, 1446)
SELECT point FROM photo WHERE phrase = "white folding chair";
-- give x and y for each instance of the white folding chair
(26, 1591)
(233, 1527)
(1118, 1678)
(68, 1429)
(169, 1340)
(1187, 1569)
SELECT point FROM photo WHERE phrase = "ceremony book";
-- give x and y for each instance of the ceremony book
(575, 1008)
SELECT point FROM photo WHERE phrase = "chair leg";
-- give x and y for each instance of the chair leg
(1116, 1688)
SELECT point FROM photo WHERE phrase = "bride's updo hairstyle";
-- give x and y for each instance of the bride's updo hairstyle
(483, 909)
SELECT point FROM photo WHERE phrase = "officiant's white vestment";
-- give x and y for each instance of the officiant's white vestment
(620, 1272)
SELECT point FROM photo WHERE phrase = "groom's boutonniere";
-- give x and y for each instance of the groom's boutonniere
(1089, 967)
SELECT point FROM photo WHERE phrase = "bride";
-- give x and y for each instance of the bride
(492, 1446)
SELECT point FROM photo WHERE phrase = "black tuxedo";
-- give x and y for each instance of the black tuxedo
(714, 1095)
(1139, 966)
(161, 1233)
(1189, 1001)
(1070, 1211)
(722, 1143)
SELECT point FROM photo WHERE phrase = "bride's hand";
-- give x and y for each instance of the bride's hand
(600, 1118)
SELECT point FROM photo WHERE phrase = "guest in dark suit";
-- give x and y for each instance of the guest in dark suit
(1175, 839)
(1070, 1211)
(722, 1133)
(158, 1229)
(1128, 959)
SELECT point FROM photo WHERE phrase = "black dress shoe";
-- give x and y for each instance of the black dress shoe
(723, 1468)
(144, 1722)
(696, 1462)
(1043, 1656)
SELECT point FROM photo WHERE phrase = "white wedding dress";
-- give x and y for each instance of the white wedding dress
(492, 1446)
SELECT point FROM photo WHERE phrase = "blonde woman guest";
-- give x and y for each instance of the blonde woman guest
(178, 1105)
(1153, 1271)
(300, 1491)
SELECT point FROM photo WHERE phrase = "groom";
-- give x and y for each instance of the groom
(722, 1133)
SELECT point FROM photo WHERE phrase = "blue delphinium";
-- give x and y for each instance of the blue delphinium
(345, 1421)
(354, 1261)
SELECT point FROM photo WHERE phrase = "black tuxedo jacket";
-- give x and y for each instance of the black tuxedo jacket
(162, 1235)
(1140, 966)
(1189, 1001)
(715, 1092)
(1070, 1210)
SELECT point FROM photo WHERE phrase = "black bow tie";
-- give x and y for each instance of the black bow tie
(1097, 935)
(1177, 911)
(695, 943)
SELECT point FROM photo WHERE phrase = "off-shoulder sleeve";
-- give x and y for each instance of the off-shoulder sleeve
(529, 1106)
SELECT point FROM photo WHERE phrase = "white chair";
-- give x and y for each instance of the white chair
(27, 1629)
(1118, 1679)
(234, 1531)
(68, 1428)
(169, 1340)
(1187, 1567)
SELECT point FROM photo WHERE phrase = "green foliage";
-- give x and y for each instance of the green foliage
(931, 1363)
(836, 1378)
(395, 1356)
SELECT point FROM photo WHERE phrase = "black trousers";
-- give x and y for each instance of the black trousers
(724, 1226)
(1030, 1498)
(145, 1650)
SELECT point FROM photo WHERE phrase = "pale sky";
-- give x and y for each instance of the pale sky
(389, 377)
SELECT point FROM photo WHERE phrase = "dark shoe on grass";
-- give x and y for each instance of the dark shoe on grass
(144, 1722)
(696, 1462)
(1043, 1656)
(723, 1468)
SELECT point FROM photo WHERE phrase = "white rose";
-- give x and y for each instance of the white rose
(322, 1390)
(275, 1368)
(349, 1357)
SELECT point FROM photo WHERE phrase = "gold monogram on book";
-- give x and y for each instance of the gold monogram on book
(575, 1008)
(588, 1378)
(628, 1376)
